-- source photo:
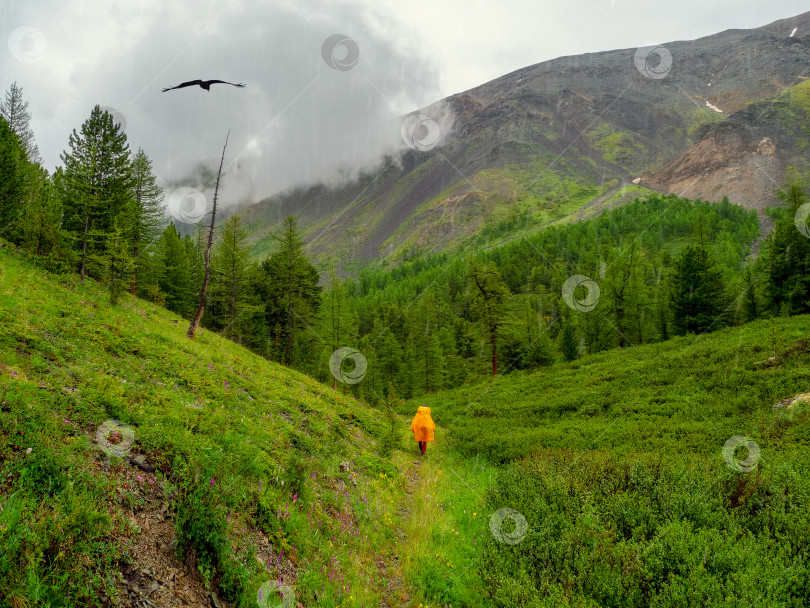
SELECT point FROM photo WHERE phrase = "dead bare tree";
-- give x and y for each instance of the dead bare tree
(195, 321)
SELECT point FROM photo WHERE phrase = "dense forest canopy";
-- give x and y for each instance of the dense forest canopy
(657, 267)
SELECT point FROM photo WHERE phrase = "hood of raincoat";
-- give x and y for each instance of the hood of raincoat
(422, 425)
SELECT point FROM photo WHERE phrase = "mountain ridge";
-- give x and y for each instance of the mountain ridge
(527, 145)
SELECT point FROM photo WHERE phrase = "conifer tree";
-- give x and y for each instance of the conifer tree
(15, 110)
(118, 262)
(173, 270)
(14, 174)
(619, 285)
(788, 257)
(335, 318)
(488, 295)
(145, 212)
(96, 183)
(42, 217)
(538, 347)
(696, 292)
(292, 294)
(568, 342)
(390, 355)
(231, 265)
(750, 304)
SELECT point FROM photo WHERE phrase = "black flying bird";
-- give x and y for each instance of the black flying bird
(205, 84)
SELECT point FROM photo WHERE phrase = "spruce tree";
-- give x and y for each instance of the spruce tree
(569, 344)
(145, 213)
(788, 257)
(292, 294)
(696, 292)
(173, 270)
(750, 300)
(96, 183)
(230, 264)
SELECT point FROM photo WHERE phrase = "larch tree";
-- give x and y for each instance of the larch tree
(201, 300)
(337, 324)
(425, 329)
(42, 217)
(13, 180)
(15, 110)
(118, 262)
(619, 286)
(488, 295)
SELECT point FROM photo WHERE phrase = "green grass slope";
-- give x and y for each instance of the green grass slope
(688, 391)
(619, 486)
(247, 487)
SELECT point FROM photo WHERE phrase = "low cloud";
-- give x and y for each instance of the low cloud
(309, 113)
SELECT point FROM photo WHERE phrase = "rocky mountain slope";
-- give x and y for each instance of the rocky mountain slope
(723, 115)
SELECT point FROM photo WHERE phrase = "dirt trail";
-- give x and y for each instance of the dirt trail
(389, 565)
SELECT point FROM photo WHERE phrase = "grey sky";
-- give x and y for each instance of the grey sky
(299, 120)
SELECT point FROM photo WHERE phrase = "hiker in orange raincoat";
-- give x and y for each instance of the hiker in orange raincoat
(422, 427)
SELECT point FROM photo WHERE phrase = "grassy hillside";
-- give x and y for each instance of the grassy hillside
(690, 391)
(246, 486)
(615, 467)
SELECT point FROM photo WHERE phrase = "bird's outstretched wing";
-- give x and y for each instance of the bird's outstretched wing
(241, 85)
(190, 83)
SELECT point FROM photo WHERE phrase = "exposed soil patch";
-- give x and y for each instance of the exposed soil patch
(155, 577)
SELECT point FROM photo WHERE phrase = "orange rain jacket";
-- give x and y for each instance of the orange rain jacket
(422, 425)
